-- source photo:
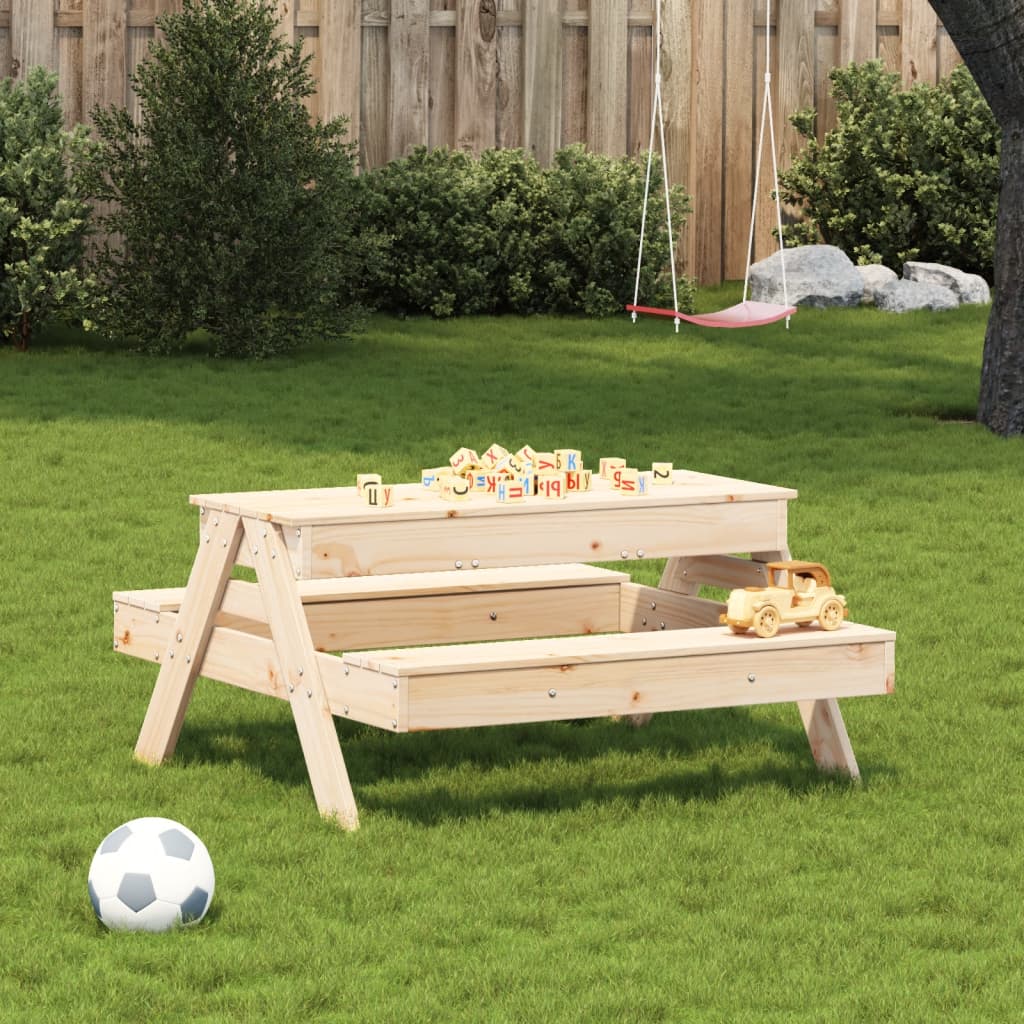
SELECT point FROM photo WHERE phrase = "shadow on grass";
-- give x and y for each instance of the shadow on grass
(430, 778)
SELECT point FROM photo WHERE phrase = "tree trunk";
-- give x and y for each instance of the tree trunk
(990, 37)
(1001, 401)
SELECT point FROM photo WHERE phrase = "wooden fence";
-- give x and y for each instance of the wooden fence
(537, 74)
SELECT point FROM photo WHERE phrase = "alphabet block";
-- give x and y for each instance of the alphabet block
(431, 478)
(661, 472)
(527, 454)
(609, 465)
(465, 460)
(551, 485)
(645, 482)
(494, 454)
(627, 480)
(579, 481)
(509, 490)
(455, 488)
(362, 479)
(545, 462)
(378, 495)
(568, 460)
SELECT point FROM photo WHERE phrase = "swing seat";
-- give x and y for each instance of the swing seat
(743, 314)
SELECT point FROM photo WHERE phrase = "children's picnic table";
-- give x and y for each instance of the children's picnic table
(453, 614)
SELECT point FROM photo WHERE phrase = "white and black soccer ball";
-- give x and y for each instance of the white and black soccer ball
(150, 875)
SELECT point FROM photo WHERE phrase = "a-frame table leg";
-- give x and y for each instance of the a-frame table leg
(823, 721)
(211, 570)
(300, 673)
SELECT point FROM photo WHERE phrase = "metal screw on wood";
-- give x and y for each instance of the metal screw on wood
(654, 605)
(552, 693)
(639, 552)
(494, 616)
(394, 723)
(179, 638)
(624, 554)
(206, 538)
(188, 659)
(476, 563)
(170, 654)
(751, 678)
(300, 671)
(309, 694)
(115, 645)
(394, 684)
(458, 565)
(345, 709)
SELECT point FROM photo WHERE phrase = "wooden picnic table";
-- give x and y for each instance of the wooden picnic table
(452, 614)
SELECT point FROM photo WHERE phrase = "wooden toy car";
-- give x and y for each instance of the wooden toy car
(804, 593)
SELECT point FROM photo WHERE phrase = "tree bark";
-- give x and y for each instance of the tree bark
(990, 37)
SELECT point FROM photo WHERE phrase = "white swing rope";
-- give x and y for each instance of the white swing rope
(657, 117)
(767, 116)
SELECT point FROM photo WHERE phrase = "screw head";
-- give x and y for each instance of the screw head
(751, 678)
(494, 616)
(552, 693)
(475, 563)
(458, 565)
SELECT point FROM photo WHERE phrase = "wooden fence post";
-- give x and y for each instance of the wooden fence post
(607, 79)
(33, 36)
(104, 54)
(409, 46)
(542, 79)
(341, 61)
(476, 67)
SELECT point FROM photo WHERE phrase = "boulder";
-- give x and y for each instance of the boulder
(901, 296)
(816, 275)
(874, 278)
(967, 287)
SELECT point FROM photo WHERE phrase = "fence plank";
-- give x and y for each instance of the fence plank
(709, 59)
(476, 32)
(918, 33)
(677, 92)
(509, 76)
(104, 54)
(341, 61)
(796, 73)
(161, 7)
(375, 136)
(858, 32)
(575, 76)
(409, 55)
(33, 36)
(741, 88)
(542, 79)
(607, 79)
(441, 87)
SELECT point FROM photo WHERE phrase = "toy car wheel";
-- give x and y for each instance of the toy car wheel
(766, 622)
(831, 615)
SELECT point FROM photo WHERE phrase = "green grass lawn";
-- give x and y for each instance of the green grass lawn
(700, 870)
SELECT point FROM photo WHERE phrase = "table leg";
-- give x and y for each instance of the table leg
(176, 680)
(823, 721)
(300, 673)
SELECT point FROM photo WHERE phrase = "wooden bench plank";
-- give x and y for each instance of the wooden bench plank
(415, 608)
(628, 674)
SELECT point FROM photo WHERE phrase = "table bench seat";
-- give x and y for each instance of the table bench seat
(628, 673)
(411, 608)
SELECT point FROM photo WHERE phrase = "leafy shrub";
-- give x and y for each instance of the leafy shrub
(501, 234)
(904, 175)
(231, 212)
(44, 217)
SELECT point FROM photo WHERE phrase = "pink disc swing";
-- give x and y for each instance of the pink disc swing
(746, 313)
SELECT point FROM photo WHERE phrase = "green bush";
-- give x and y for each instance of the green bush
(500, 234)
(231, 211)
(44, 217)
(904, 175)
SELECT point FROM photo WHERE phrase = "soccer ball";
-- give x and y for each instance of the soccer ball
(150, 875)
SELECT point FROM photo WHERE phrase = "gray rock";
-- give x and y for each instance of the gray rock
(874, 278)
(816, 275)
(967, 287)
(903, 296)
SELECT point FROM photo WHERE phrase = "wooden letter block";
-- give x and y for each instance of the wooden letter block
(527, 480)
(464, 461)
(551, 485)
(490, 458)
(545, 462)
(579, 481)
(362, 479)
(568, 460)
(645, 482)
(431, 478)
(526, 454)
(378, 495)
(455, 488)
(609, 465)
(661, 472)
(509, 490)
(627, 480)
